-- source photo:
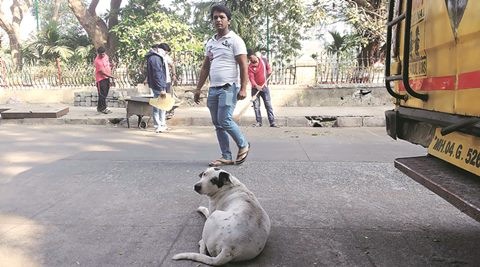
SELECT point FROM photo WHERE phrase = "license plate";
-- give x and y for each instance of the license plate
(460, 149)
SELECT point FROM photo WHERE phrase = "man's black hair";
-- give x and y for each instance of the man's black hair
(165, 47)
(101, 50)
(221, 9)
(250, 52)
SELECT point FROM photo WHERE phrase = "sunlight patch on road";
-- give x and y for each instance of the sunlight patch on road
(15, 258)
(27, 157)
(7, 173)
(97, 147)
(19, 237)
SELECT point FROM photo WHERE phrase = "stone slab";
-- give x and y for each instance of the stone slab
(34, 112)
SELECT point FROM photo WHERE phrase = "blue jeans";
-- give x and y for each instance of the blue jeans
(221, 102)
(267, 101)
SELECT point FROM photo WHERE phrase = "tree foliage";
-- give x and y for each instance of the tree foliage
(367, 18)
(51, 45)
(127, 33)
(60, 36)
(275, 25)
(57, 11)
(144, 23)
(137, 36)
(341, 43)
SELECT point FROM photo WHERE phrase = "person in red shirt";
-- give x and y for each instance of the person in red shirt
(258, 72)
(103, 73)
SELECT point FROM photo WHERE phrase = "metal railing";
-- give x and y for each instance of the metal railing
(283, 73)
(332, 69)
(328, 70)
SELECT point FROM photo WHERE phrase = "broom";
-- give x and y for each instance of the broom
(165, 103)
(254, 97)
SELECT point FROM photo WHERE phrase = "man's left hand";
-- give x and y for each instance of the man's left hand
(242, 94)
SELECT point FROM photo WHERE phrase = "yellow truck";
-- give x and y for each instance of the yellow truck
(433, 73)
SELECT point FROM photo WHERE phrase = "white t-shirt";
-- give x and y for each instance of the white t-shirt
(223, 66)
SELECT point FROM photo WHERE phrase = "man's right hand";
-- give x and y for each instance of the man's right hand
(196, 96)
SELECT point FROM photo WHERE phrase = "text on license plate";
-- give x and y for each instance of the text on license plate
(459, 149)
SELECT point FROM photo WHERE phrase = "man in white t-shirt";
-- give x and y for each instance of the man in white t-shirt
(226, 65)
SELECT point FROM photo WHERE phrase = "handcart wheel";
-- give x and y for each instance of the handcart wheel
(143, 125)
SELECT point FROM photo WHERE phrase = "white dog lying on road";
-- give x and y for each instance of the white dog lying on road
(236, 228)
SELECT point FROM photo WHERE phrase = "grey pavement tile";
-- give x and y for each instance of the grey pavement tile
(91, 245)
(137, 192)
(38, 189)
(447, 247)
(119, 197)
(187, 241)
(289, 246)
(420, 248)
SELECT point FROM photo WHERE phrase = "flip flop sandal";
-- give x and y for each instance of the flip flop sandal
(220, 162)
(242, 154)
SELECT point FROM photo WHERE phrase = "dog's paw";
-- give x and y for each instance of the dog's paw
(203, 210)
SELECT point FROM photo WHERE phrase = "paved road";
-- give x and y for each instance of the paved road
(106, 196)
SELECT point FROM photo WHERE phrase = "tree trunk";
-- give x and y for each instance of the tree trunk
(18, 9)
(112, 22)
(96, 28)
(370, 54)
(56, 10)
(15, 51)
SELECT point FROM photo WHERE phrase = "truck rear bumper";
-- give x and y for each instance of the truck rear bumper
(455, 185)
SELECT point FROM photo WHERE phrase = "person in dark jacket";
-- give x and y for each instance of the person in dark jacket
(156, 79)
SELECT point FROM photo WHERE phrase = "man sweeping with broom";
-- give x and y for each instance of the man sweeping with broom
(258, 72)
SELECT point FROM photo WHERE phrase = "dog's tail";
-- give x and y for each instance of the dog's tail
(220, 259)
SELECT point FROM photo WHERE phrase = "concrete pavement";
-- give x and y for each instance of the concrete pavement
(339, 116)
(76, 195)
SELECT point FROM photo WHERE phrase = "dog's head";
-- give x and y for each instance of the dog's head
(212, 180)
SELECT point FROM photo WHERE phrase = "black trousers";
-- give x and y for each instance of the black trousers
(103, 87)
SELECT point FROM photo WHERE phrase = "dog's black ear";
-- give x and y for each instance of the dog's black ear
(221, 180)
(224, 177)
(201, 174)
